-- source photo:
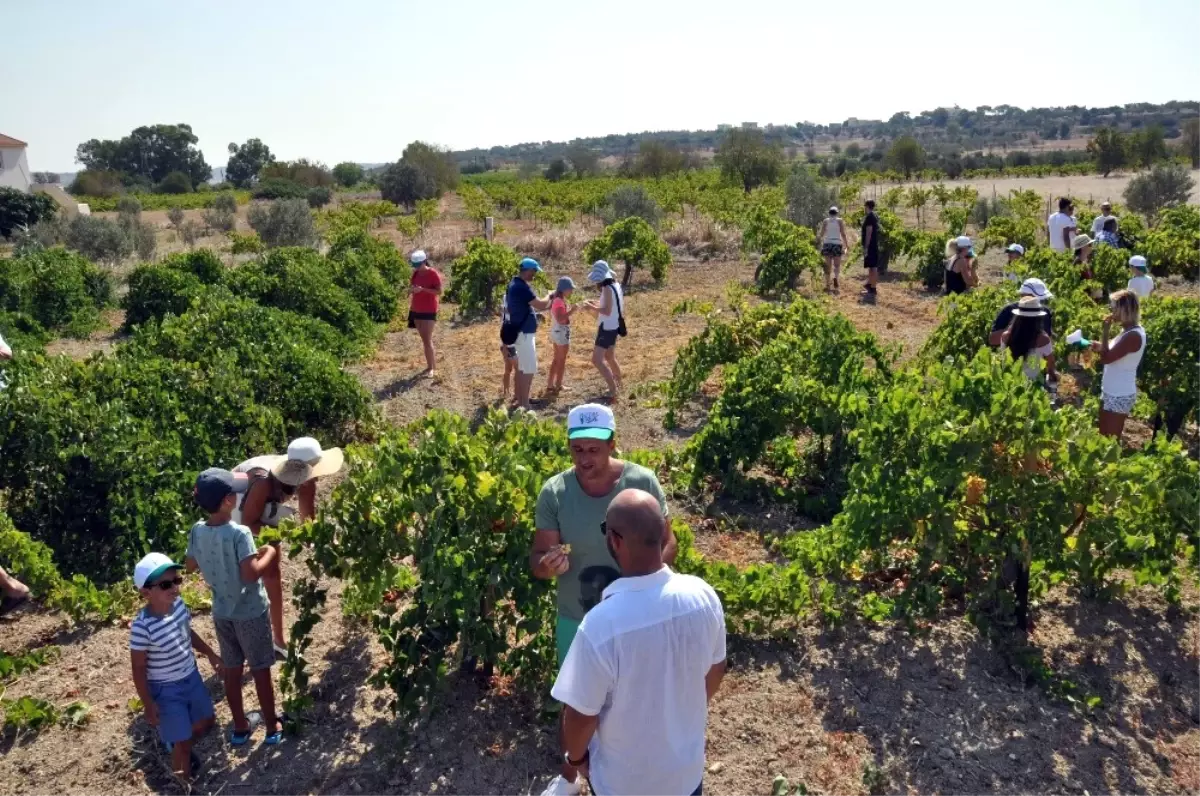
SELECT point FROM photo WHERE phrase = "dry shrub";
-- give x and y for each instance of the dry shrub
(700, 236)
(553, 244)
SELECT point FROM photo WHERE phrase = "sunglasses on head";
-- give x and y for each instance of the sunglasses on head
(166, 585)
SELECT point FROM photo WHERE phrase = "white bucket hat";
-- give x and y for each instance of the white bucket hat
(1036, 288)
(962, 242)
(600, 272)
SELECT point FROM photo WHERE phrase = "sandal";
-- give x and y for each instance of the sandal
(242, 737)
(274, 739)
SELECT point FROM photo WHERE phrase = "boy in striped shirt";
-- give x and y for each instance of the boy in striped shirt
(165, 674)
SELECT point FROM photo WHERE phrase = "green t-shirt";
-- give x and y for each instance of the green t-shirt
(564, 506)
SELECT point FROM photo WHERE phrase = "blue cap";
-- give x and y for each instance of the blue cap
(530, 264)
(214, 484)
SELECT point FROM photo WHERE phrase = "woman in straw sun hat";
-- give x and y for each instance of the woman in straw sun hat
(274, 480)
(610, 312)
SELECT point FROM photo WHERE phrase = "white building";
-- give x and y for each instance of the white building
(14, 168)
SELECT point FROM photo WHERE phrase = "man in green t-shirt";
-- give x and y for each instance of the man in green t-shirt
(569, 543)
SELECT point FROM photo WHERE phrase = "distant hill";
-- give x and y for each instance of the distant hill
(943, 130)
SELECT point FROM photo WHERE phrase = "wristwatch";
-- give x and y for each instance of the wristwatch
(576, 763)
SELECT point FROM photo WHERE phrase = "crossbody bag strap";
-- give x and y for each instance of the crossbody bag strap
(617, 298)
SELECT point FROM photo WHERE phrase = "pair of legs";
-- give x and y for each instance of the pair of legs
(1112, 424)
(425, 329)
(264, 687)
(526, 353)
(872, 279)
(833, 268)
(273, 583)
(510, 365)
(181, 751)
(605, 360)
(558, 366)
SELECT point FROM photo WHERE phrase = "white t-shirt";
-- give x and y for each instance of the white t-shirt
(612, 319)
(4, 349)
(639, 661)
(1142, 285)
(1057, 223)
(1098, 224)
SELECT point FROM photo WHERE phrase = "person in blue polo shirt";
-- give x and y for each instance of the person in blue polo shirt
(521, 327)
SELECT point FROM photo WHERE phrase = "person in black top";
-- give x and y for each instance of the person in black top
(960, 270)
(1030, 287)
(870, 244)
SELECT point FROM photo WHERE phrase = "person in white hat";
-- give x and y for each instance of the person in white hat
(165, 675)
(1031, 287)
(274, 480)
(834, 245)
(569, 544)
(1026, 339)
(423, 306)
(1013, 252)
(1140, 282)
(960, 268)
(610, 312)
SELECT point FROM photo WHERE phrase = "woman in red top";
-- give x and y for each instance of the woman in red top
(423, 307)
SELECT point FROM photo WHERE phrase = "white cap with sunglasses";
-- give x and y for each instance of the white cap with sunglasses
(151, 568)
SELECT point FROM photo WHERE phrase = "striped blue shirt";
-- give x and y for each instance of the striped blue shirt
(167, 642)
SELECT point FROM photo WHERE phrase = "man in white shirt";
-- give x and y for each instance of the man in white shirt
(1105, 215)
(643, 666)
(1061, 226)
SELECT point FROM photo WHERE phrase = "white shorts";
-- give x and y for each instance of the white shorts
(1119, 404)
(526, 353)
(561, 335)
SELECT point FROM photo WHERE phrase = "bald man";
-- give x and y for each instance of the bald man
(643, 666)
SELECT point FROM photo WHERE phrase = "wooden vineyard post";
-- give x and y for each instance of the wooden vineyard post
(489, 228)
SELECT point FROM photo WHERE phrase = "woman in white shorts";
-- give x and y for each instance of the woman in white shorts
(560, 332)
(1120, 357)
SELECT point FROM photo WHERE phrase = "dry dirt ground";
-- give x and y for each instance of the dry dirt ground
(841, 710)
(1090, 187)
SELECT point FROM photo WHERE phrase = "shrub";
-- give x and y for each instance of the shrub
(276, 188)
(1173, 246)
(56, 289)
(306, 173)
(248, 243)
(128, 207)
(96, 183)
(355, 272)
(175, 216)
(783, 263)
(287, 222)
(175, 182)
(557, 169)
(478, 278)
(299, 279)
(435, 162)
(391, 264)
(745, 157)
(1171, 365)
(808, 199)
(290, 360)
(156, 290)
(319, 196)
(19, 209)
(406, 184)
(348, 174)
(1166, 185)
(225, 202)
(144, 237)
(22, 332)
(189, 232)
(631, 201)
(633, 242)
(219, 220)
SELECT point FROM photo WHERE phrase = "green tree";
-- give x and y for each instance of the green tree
(1166, 185)
(746, 157)
(906, 155)
(657, 159)
(436, 162)
(175, 182)
(246, 161)
(556, 170)
(406, 184)
(19, 209)
(1149, 146)
(348, 174)
(1110, 149)
(149, 153)
(305, 172)
(1189, 141)
(584, 160)
(633, 242)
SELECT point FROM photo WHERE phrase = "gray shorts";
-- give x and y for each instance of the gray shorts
(246, 641)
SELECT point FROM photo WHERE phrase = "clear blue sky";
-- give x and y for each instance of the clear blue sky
(358, 79)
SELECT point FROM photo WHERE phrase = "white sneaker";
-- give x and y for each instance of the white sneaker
(559, 786)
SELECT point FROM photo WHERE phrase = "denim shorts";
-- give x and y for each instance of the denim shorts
(180, 703)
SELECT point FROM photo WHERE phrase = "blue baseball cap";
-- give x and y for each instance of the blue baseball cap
(529, 263)
(214, 484)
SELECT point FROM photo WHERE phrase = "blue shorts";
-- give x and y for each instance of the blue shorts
(181, 703)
